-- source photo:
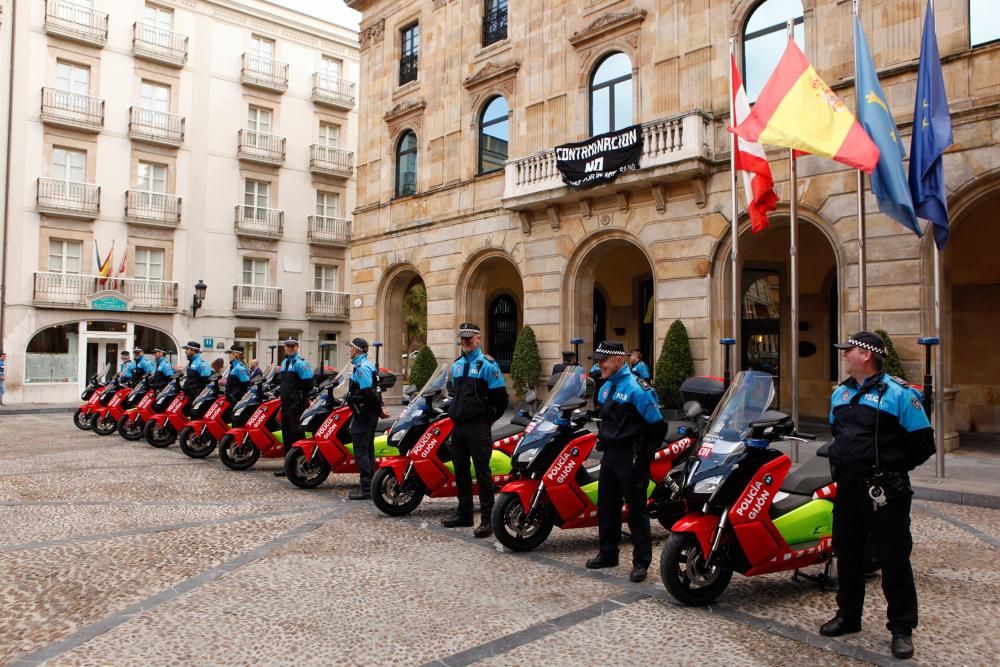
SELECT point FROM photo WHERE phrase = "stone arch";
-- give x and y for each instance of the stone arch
(392, 289)
(486, 275)
(586, 271)
(768, 252)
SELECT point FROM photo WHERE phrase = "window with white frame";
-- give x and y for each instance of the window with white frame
(327, 204)
(329, 135)
(149, 263)
(158, 17)
(154, 96)
(72, 78)
(331, 69)
(259, 120)
(69, 165)
(325, 278)
(262, 47)
(256, 198)
(255, 272)
(65, 256)
(152, 177)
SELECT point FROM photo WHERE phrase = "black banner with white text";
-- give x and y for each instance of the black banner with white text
(600, 159)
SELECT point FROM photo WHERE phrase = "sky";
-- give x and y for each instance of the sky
(331, 10)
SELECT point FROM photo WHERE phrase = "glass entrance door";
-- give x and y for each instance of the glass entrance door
(761, 323)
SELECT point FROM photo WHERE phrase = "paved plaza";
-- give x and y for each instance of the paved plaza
(112, 552)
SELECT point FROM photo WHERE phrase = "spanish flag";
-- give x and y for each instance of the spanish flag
(796, 109)
(104, 268)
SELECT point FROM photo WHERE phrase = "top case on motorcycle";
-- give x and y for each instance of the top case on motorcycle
(502, 431)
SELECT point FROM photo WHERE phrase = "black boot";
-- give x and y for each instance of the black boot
(358, 494)
(484, 529)
(902, 646)
(457, 521)
(600, 560)
(638, 574)
(279, 473)
(838, 626)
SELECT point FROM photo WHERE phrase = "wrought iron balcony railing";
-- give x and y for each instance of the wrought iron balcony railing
(152, 208)
(261, 147)
(80, 112)
(156, 127)
(260, 301)
(331, 160)
(333, 91)
(68, 198)
(325, 230)
(76, 22)
(263, 72)
(254, 221)
(67, 290)
(153, 43)
(328, 305)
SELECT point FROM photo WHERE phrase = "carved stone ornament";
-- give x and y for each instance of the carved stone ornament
(406, 112)
(608, 23)
(372, 34)
(491, 72)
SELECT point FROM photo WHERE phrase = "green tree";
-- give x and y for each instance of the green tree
(893, 366)
(414, 320)
(674, 365)
(423, 367)
(526, 367)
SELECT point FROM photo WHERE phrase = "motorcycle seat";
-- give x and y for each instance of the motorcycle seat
(673, 431)
(383, 425)
(788, 503)
(824, 450)
(505, 431)
(811, 475)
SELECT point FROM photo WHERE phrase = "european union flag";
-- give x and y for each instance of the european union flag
(889, 178)
(931, 136)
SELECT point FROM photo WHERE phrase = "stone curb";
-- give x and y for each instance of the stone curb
(37, 411)
(989, 501)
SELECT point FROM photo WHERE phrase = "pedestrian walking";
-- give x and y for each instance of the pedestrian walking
(3, 375)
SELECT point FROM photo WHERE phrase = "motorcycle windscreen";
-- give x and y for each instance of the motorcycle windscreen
(571, 386)
(138, 391)
(251, 399)
(435, 388)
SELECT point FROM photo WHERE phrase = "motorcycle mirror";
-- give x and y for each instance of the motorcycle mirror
(693, 409)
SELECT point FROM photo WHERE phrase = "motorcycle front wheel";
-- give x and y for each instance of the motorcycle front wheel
(236, 456)
(393, 498)
(306, 474)
(105, 425)
(195, 445)
(159, 437)
(685, 574)
(129, 429)
(512, 529)
(81, 421)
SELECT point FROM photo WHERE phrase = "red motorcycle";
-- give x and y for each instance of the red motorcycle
(104, 421)
(746, 513)
(161, 430)
(329, 448)
(207, 423)
(132, 423)
(424, 466)
(91, 396)
(260, 434)
(553, 486)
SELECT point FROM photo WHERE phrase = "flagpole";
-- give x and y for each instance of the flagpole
(734, 221)
(939, 371)
(862, 255)
(794, 279)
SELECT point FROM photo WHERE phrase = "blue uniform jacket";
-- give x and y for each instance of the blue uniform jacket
(125, 370)
(641, 370)
(629, 412)
(479, 392)
(142, 366)
(362, 395)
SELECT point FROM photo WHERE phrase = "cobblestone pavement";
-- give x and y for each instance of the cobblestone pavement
(113, 552)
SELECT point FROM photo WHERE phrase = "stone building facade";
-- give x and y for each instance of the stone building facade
(625, 259)
(208, 140)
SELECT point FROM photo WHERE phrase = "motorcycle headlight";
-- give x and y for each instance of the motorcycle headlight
(526, 457)
(708, 485)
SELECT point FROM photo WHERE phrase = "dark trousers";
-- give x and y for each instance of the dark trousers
(854, 523)
(624, 476)
(363, 437)
(473, 441)
(290, 430)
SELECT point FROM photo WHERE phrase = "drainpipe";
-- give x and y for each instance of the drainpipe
(6, 200)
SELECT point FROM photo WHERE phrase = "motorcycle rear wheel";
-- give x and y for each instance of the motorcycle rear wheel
(393, 498)
(159, 437)
(306, 474)
(130, 430)
(236, 456)
(684, 575)
(81, 420)
(195, 445)
(509, 527)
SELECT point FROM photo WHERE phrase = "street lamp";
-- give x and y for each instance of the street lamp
(199, 297)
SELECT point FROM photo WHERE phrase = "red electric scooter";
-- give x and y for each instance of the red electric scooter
(162, 428)
(260, 434)
(207, 423)
(132, 423)
(91, 396)
(105, 419)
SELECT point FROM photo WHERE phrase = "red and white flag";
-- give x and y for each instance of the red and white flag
(120, 282)
(758, 184)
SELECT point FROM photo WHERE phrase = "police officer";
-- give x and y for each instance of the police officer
(568, 359)
(479, 398)
(125, 369)
(141, 365)
(366, 408)
(296, 377)
(198, 370)
(630, 430)
(639, 367)
(239, 377)
(880, 433)
(162, 371)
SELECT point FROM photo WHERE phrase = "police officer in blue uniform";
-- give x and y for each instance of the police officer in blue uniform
(639, 367)
(296, 377)
(198, 370)
(141, 365)
(479, 398)
(239, 376)
(162, 370)
(880, 433)
(366, 408)
(631, 428)
(125, 368)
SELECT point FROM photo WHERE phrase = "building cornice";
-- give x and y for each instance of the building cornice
(242, 14)
(492, 72)
(607, 23)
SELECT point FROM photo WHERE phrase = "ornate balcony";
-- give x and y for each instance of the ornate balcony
(79, 112)
(678, 148)
(261, 148)
(76, 22)
(260, 223)
(330, 306)
(159, 45)
(333, 91)
(152, 209)
(324, 230)
(60, 290)
(265, 73)
(331, 161)
(68, 199)
(156, 127)
(256, 301)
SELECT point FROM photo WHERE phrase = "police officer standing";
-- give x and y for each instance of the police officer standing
(630, 430)
(880, 433)
(366, 408)
(296, 377)
(125, 369)
(479, 398)
(239, 377)
(639, 367)
(162, 371)
(198, 370)
(141, 366)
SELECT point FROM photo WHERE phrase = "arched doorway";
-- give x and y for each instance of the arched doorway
(973, 291)
(491, 295)
(610, 292)
(402, 308)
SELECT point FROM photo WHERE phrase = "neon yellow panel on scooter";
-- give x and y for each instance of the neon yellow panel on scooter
(382, 447)
(499, 464)
(813, 521)
(591, 490)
